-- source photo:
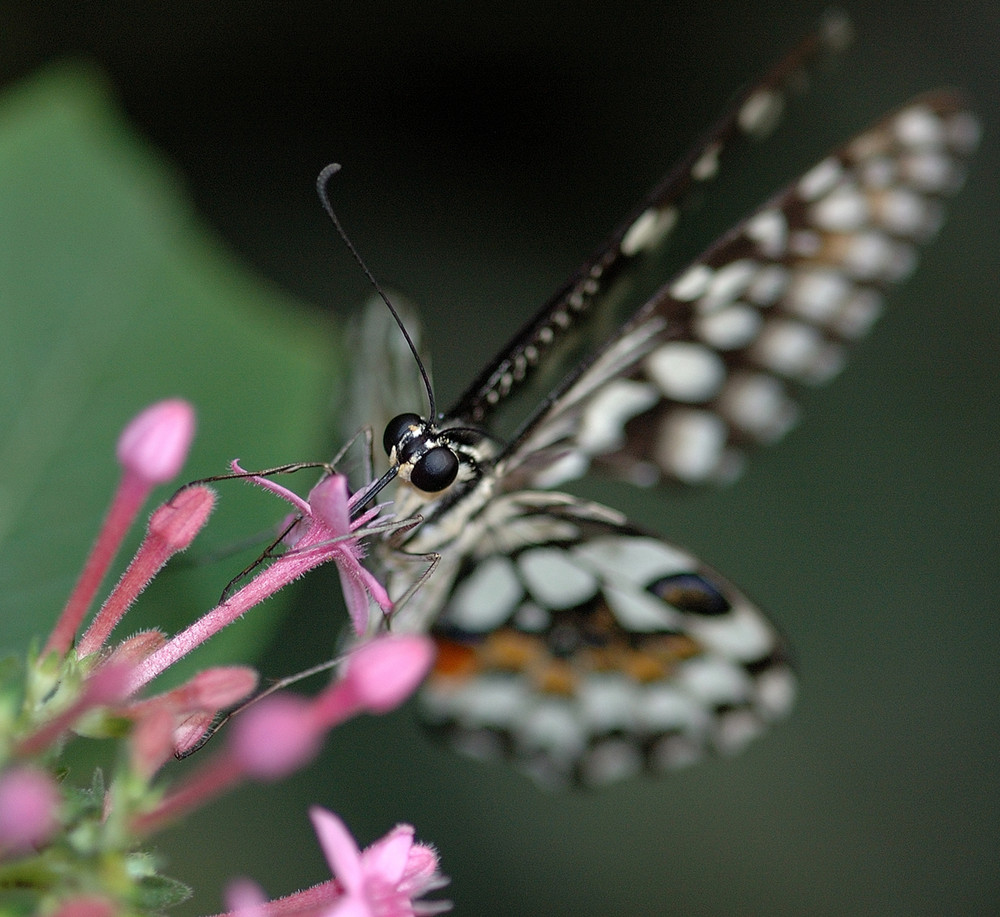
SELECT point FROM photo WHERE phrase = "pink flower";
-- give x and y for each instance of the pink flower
(386, 878)
(324, 532)
(331, 506)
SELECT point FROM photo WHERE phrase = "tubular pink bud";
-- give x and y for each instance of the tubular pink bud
(155, 443)
(151, 449)
(177, 521)
(276, 737)
(171, 529)
(385, 671)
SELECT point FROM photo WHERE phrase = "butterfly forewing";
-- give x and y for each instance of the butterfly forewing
(587, 650)
(712, 364)
(593, 302)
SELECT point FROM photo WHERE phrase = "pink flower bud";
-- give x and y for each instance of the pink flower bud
(385, 671)
(275, 737)
(171, 529)
(155, 443)
(132, 650)
(213, 689)
(177, 522)
(29, 799)
(190, 732)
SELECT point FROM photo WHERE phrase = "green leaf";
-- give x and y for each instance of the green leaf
(112, 296)
(157, 893)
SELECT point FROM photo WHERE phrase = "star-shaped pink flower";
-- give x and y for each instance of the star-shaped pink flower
(385, 879)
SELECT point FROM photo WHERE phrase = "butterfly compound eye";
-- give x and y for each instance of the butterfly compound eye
(435, 469)
(395, 429)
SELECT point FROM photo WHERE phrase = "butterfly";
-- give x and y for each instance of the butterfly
(578, 645)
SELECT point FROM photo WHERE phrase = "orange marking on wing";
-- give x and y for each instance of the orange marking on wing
(455, 660)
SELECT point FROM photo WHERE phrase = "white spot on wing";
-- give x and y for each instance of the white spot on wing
(735, 729)
(742, 634)
(775, 690)
(553, 726)
(768, 285)
(610, 760)
(919, 126)
(730, 328)
(903, 212)
(641, 612)
(869, 255)
(820, 179)
(664, 708)
(816, 292)
(858, 313)
(757, 403)
(930, 172)
(487, 597)
(636, 559)
(690, 443)
(787, 347)
(708, 163)
(569, 467)
(714, 680)
(769, 229)
(728, 283)
(843, 210)
(648, 230)
(603, 425)
(675, 751)
(554, 579)
(608, 702)
(691, 284)
(686, 371)
(761, 112)
(963, 131)
(494, 701)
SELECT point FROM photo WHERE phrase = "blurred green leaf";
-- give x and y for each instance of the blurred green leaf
(113, 296)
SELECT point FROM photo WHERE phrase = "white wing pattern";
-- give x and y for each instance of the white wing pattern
(711, 365)
(586, 650)
(570, 641)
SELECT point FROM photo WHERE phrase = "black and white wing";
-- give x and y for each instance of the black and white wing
(713, 363)
(580, 314)
(585, 650)
(573, 642)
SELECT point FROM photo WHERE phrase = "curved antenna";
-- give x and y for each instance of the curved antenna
(322, 181)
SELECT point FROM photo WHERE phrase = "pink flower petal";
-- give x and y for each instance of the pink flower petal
(388, 857)
(340, 850)
(329, 502)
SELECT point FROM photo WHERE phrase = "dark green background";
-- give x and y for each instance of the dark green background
(487, 149)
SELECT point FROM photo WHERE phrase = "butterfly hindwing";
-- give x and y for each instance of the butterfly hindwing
(585, 649)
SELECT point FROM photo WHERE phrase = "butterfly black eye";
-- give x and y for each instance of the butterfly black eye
(395, 429)
(435, 469)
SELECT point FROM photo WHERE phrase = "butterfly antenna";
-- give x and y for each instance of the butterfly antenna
(322, 181)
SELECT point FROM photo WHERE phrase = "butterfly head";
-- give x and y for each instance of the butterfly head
(424, 456)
